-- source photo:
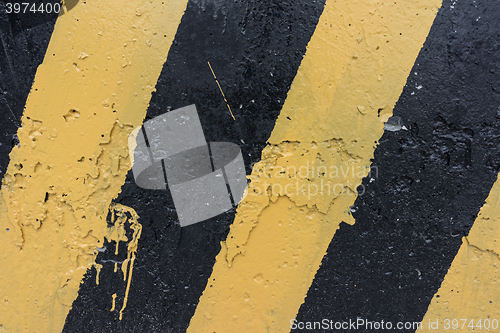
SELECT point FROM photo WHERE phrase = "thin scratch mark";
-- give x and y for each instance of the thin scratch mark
(221, 90)
(9, 62)
(14, 118)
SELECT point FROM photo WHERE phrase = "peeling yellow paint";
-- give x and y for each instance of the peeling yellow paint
(355, 67)
(470, 288)
(92, 89)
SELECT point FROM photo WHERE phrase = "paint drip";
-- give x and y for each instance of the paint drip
(120, 214)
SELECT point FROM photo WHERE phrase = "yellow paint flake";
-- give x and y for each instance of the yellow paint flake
(113, 305)
(98, 268)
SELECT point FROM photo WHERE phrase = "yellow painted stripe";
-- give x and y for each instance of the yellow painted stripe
(470, 289)
(355, 67)
(93, 88)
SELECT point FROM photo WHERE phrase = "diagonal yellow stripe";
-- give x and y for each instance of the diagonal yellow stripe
(93, 88)
(355, 67)
(470, 289)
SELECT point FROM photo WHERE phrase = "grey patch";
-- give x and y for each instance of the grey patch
(15, 141)
(200, 180)
(201, 198)
(394, 124)
(152, 178)
(174, 132)
(101, 249)
(228, 156)
(143, 161)
(188, 165)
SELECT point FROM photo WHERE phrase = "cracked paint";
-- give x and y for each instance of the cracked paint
(353, 72)
(72, 156)
(469, 289)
